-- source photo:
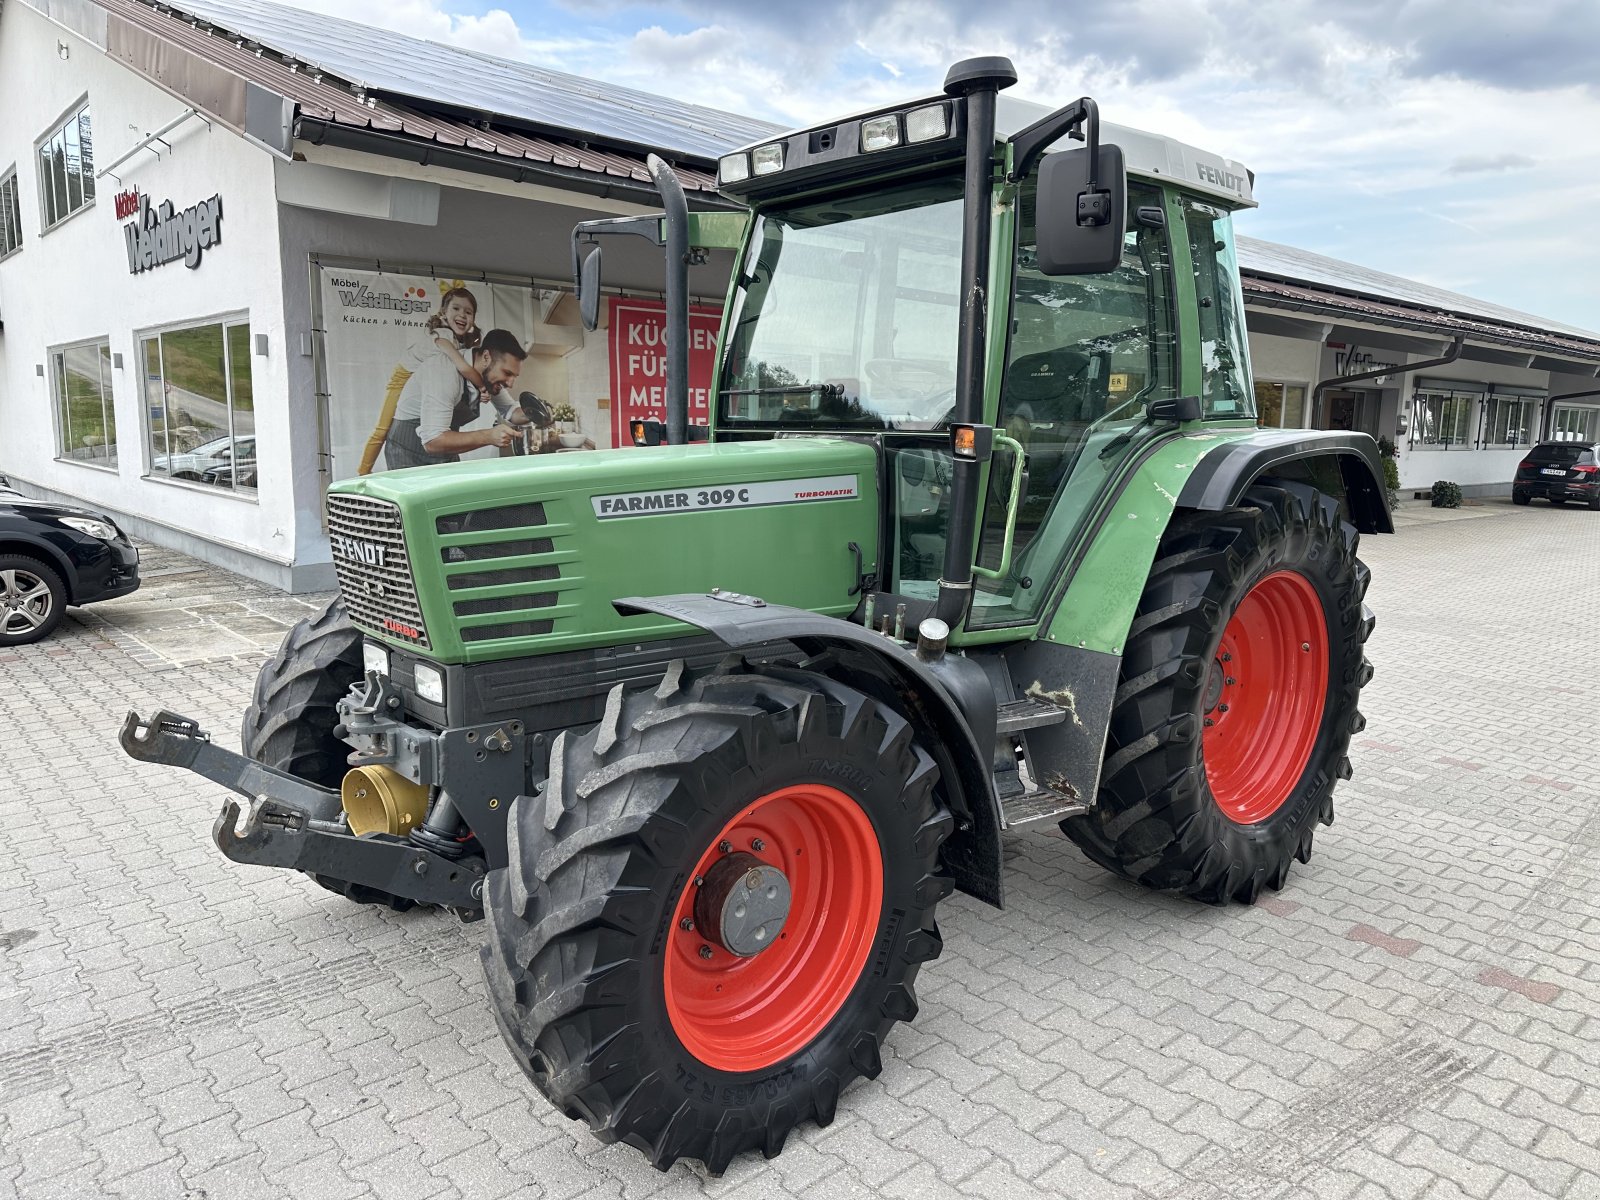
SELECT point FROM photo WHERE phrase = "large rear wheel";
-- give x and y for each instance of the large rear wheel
(1237, 699)
(715, 910)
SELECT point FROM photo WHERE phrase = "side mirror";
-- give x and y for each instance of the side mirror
(589, 291)
(1081, 215)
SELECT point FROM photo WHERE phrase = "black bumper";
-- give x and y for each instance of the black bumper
(105, 570)
(1559, 488)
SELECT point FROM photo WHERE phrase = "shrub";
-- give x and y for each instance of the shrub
(1446, 494)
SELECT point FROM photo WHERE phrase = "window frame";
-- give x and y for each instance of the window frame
(1283, 385)
(56, 209)
(1527, 421)
(1588, 431)
(10, 212)
(1226, 308)
(141, 338)
(1421, 397)
(108, 401)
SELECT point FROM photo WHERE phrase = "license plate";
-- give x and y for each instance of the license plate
(1551, 471)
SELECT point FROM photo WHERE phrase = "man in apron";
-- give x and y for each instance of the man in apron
(437, 402)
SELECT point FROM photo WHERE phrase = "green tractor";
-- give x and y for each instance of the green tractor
(982, 533)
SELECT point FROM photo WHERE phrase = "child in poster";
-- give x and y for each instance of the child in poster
(453, 329)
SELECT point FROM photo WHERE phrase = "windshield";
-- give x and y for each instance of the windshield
(846, 313)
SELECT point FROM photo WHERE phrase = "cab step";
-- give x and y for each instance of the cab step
(1027, 713)
(1042, 805)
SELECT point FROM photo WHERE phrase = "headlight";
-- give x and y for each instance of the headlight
(374, 658)
(880, 133)
(95, 529)
(430, 683)
(925, 124)
(767, 159)
(733, 168)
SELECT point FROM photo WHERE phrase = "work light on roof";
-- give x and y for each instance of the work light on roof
(733, 168)
(925, 124)
(880, 133)
(768, 159)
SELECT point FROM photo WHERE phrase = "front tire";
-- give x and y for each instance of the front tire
(32, 600)
(618, 999)
(293, 710)
(1237, 699)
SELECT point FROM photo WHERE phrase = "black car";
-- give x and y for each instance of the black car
(1559, 471)
(53, 555)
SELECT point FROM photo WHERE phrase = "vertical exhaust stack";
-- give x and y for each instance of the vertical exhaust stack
(676, 222)
(980, 81)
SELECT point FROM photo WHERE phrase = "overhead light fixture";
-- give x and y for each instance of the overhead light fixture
(926, 124)
(767, 160)
(733, 168)
(880, 133)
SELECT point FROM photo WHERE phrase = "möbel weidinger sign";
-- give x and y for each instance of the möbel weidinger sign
(158, 236)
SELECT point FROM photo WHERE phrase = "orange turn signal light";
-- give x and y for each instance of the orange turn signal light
(972, 442)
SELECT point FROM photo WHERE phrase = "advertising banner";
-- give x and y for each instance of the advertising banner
(401, 349)
(638, 342)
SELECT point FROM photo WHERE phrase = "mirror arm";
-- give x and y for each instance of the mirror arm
(1080, 118)
(648, 228)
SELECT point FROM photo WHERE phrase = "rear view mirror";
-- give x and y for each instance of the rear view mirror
(1080, 222)
(589, 291)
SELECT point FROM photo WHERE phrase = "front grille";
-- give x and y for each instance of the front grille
(503, 538)
(369, 557)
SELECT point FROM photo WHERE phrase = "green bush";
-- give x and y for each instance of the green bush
(1446, 494)
(1391, 472)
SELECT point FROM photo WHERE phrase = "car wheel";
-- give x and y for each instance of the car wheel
(32, 600)
(1521, 498)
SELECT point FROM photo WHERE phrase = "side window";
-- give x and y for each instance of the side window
(1224, 352)
(1087, 352)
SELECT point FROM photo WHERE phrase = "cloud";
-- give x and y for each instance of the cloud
(1477, 164)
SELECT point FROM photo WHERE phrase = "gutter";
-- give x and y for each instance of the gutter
(321, 132)
(1450, 356)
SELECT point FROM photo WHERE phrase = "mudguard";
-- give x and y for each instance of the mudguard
(952, 699)
(1220, 478)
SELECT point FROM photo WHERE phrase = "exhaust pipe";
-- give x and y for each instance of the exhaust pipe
(677, 231)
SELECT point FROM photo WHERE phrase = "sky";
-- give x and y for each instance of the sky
(1449, 141)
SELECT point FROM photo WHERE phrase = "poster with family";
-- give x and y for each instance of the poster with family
(425, 369)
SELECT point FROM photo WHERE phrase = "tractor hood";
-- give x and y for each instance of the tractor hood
(507, 557)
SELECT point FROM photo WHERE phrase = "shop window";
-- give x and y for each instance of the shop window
(1226, 391)
(199, 407)
(1281, 405)
(1509, 422)
(10, 214)
(1573, 423)
(86, 416)
(1443, 420)
(66, 168)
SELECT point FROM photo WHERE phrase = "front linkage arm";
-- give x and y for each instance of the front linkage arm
(288, 822)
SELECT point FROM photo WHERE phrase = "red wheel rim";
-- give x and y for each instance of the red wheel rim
(744, 1014)
(1265, 696)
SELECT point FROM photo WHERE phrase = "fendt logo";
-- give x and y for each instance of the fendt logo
(372, 554)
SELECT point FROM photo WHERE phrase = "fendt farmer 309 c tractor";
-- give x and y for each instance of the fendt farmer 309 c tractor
(982, 533)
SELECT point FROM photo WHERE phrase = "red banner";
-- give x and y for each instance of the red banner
(638, 340)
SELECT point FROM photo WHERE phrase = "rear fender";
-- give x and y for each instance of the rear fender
(950, 703)
(1222, 477)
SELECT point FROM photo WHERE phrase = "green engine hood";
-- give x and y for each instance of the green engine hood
(518, 556)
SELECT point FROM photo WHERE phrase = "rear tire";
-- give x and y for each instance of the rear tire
(639, 1026)
(1521, 498)
(32, 600)
(1217, 811)
(289, 724)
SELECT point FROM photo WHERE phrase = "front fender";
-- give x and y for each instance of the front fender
(951, 701)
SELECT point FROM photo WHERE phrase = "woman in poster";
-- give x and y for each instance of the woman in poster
(454, 330)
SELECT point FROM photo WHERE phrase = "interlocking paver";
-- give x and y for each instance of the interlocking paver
(180, 1026)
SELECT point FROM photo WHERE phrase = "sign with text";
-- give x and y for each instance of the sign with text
(162, 235)
(638, 343)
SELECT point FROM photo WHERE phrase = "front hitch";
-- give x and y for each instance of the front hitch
(287, 822)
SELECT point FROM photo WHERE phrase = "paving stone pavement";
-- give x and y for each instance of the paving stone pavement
(1417, 1014)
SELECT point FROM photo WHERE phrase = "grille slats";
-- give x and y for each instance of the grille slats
(374, 571)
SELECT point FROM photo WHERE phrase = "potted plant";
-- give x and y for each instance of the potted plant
(1391, 471)
(566, 419)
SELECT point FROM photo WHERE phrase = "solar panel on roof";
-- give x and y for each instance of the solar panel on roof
(381, 60)
(1292, 263)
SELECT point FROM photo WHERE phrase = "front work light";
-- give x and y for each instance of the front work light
(374, 658)
(880, 133)
(733, 168)
(430, 683)
(926, 124)
(768, 159)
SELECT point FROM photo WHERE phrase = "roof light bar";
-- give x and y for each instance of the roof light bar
(880, 133)
(733, 168)
(926, 124)
(767, 160)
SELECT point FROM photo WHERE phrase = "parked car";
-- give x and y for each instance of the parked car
(218, 452)
(1558, 472)
(53, 555)
(223, 476)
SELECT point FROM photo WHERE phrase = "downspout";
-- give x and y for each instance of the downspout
(1550, 409)
(1316, 393)
(980, 81)
(676, 222)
